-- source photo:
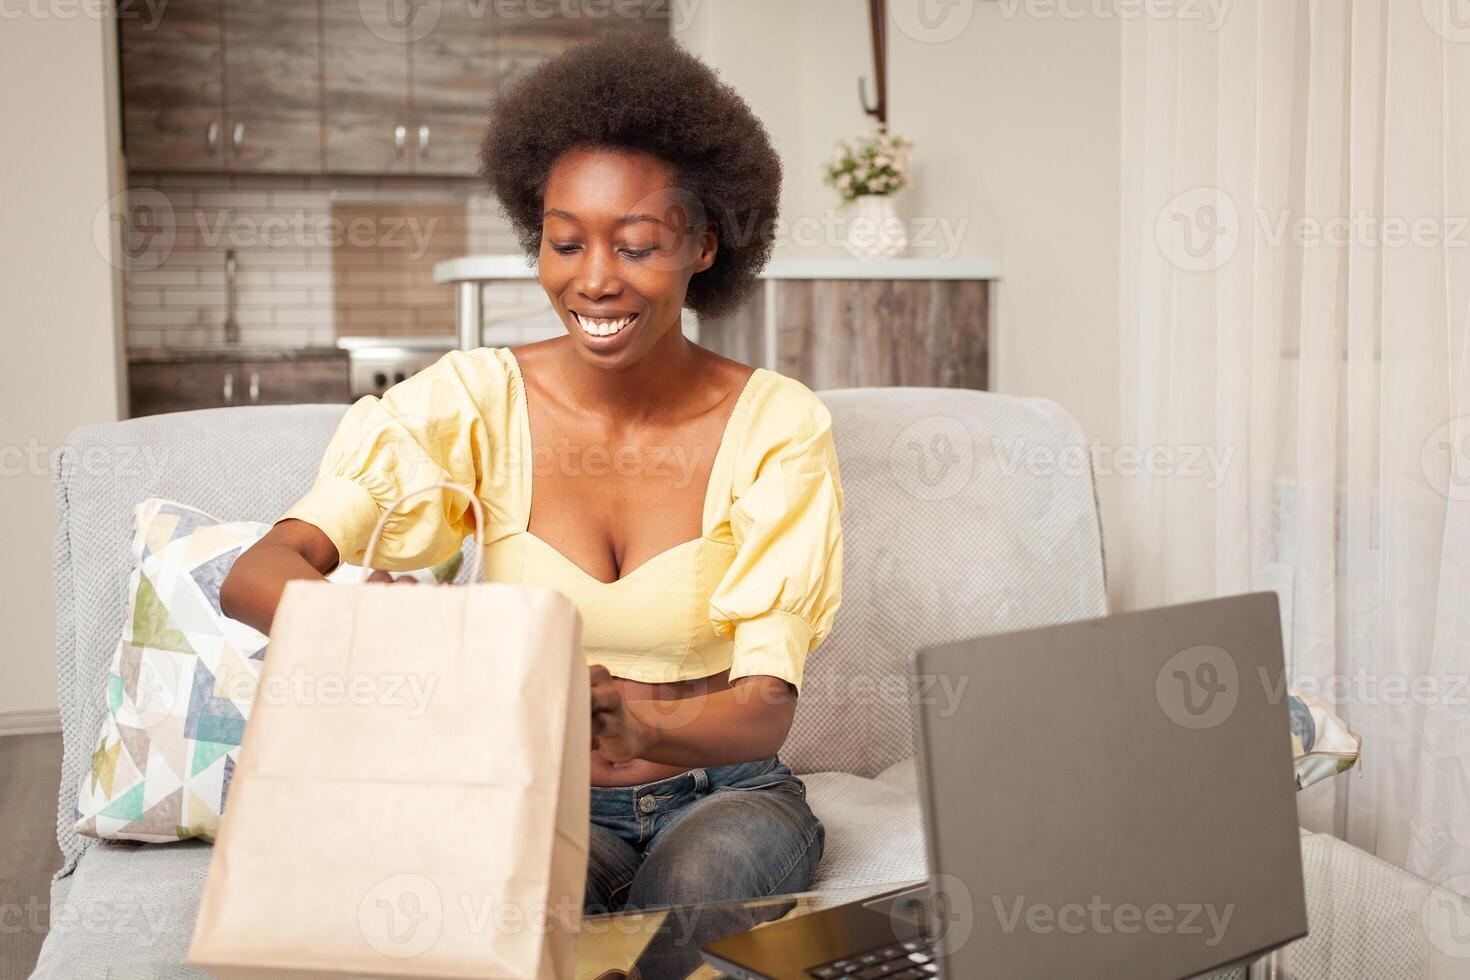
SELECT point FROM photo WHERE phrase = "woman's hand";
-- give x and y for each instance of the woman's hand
(379, 575)
(617, 732)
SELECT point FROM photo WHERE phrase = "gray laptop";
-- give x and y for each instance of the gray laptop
(1106, 798)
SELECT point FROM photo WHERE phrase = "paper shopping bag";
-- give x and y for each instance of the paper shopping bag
(412, 793)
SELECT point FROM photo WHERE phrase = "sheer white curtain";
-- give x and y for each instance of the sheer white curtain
(1296, 300)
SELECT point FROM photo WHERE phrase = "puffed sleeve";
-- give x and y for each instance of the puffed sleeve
(781, 592)
(430, 428)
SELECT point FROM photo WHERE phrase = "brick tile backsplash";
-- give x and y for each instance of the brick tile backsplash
(316, 258)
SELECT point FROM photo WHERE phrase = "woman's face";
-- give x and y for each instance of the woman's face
(619, 243)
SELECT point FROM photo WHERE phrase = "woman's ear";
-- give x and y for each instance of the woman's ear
(709, 245)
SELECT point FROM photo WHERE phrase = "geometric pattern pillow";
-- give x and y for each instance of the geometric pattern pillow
(182, 681)
(1322, 745)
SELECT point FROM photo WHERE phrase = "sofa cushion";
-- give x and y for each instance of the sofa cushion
(968, 513)
(130, 906)
(126, 906)
(874, 827)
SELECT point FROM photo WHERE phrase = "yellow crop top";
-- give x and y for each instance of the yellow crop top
(756, 592)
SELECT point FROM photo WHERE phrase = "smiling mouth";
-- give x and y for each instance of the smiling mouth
(602, 326)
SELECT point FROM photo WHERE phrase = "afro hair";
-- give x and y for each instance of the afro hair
(643, 94)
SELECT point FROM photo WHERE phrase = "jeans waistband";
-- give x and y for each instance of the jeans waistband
(675, 791)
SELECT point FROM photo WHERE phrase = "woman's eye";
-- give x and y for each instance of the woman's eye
(564, 249)
(639, 253)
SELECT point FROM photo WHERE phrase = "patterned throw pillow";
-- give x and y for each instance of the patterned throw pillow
(1321, 743)
(182, 681)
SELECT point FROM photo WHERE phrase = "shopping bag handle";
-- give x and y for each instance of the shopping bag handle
(476, 562)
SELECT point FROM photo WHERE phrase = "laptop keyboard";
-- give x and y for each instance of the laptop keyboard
(912, 959)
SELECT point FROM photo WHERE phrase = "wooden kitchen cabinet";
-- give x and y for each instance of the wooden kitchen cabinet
(337, 86)
(181, 381)
(365, 84)
(273, 110)
(173, 85)
(223, 85)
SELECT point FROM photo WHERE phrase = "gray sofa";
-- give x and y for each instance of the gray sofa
(967, 513)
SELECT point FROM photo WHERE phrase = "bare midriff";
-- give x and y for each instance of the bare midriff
(677, 703)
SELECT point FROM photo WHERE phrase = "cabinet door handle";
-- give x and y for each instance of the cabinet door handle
(211, 135)
(400, 138)
(237, 137)
(229, 391)
(423, 139)
(254, 387)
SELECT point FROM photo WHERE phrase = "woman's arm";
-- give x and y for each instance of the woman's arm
(291, 549)
(749, 720)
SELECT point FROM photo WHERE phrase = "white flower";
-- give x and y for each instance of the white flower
(844, 181)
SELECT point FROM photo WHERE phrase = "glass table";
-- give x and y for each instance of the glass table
(1367, 919)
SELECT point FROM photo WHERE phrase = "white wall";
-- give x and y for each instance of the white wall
(1016, 122)
(58, 314)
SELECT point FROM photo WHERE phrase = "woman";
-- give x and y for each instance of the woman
(687, 504)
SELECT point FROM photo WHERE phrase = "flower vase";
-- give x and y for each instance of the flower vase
(874, 229)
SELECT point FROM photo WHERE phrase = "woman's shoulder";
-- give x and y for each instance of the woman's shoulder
(784, 419)
(484, 380)
(779, 403)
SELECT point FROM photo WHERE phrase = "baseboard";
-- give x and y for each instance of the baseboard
(29, 722)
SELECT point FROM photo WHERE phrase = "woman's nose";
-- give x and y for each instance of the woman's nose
(597, 276)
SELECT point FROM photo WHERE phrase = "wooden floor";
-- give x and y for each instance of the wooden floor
(30, 771)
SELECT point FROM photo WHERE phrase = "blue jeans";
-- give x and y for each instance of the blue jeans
(706, 835)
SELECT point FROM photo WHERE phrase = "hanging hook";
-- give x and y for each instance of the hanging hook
(877, 28)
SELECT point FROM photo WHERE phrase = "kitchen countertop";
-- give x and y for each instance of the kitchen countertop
(232, 352)
(477, 268)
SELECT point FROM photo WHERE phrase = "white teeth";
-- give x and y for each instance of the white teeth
(602, 327)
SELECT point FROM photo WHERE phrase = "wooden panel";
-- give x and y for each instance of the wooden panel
(172, 93)
(741, 336)
(155, 387)
(174, 22)
(315, 381)
(272, 23)
(839, 333)
(525, 35)
(273, 96)
(454, 78)
(365, 98)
